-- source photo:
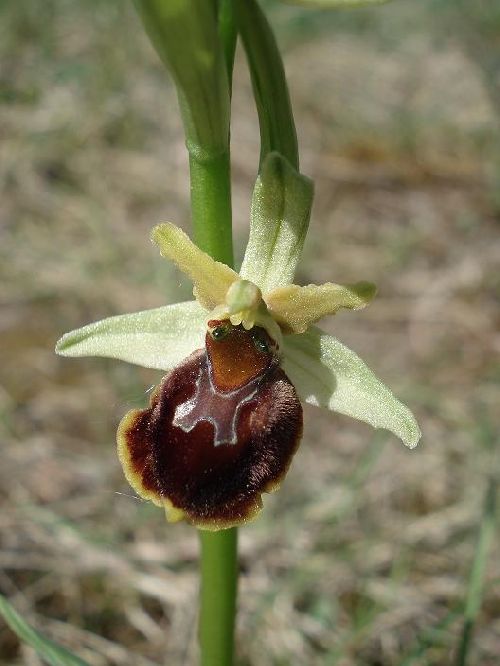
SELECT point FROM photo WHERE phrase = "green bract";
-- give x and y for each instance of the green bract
(184, 33)
(324, 372)
(277, 129)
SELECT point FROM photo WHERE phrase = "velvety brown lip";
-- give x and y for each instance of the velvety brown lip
(211, 486)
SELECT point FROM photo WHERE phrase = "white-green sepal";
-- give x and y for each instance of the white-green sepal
(327, 374)
(281, 207)
(160, 338)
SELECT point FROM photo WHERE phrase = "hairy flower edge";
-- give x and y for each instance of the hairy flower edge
(185, 472)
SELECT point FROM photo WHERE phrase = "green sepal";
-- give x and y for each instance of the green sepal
(160, 338)
(281, 208)
(327, 374)
(185, 35)
(48, 650)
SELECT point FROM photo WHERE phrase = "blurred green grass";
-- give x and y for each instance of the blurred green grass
(364, 556)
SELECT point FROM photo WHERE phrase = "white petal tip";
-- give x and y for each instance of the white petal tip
(408, 431)
(413, 443)
(63, 345)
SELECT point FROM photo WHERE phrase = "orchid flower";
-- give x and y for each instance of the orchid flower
(225, 422)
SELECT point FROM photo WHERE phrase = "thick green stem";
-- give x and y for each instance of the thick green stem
(219, 575)
(211, 205)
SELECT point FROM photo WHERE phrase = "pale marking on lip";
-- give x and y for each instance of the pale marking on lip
(221, 409)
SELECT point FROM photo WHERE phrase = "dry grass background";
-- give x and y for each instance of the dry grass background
(364, 556)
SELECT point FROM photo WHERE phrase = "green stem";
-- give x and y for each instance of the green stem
(211, 216)
(219, 575)
(211, 205)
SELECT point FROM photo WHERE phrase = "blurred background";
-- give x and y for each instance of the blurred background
(364, 557)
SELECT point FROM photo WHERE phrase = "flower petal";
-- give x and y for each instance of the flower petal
(296, 308)
(281, 206)
(212, 486)
(158, 338)
(327, 374)
(211, 279)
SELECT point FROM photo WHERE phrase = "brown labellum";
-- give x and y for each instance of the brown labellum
(221, 429)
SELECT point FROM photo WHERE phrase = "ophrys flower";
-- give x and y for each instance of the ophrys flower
(225, 422)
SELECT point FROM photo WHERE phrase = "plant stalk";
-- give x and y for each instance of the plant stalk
(219, 575)
(211, 205)
(211, 217)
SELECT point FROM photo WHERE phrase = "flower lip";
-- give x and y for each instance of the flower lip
(207, 455)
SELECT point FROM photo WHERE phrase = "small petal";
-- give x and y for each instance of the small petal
(211, 279)
(158, 338)
(281, 206)
(296, 308)
(327, 374)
